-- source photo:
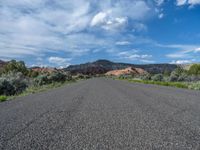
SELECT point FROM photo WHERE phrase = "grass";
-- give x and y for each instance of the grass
(36, 89)
(3, 98)
(163, 83)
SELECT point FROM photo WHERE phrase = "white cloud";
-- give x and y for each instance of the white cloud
(159, 2)
(193, 2)
(184, 51)
(104, 20)
(99, 18)
(160, 16)
(148, 61)
(181, 2)
(181, 62)
(59, 61)
(134, 55)
(123, 43)
(139, 27)
(197, 50)
(115, 16)
(39, 28)
(187, 2)
(177, 55)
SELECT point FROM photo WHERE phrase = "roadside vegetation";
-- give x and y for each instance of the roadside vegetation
(17, 80)
(181, 78)
(3, 98)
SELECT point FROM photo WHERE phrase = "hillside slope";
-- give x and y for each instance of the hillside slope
(127, 71)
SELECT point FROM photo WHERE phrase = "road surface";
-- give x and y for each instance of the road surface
(102, 114)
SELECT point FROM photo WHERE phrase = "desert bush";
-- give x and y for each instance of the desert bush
(13, 83)
(33, 74)
(68, 77)
(3, 98)
(157, 77)
(145, 77)
(57, 77)
(54, 77)
(194, 69)
(79, 76)
(14, 66)
(41, 80)
(125, 76)
(194, 86)
(6, 88)
(173, 77)
(183, 77)
(193, 78)
(178, 75)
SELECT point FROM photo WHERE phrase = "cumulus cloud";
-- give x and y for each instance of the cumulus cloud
(103, 20)
(159, 2)
(122, 43)
(116, 16)
(181, 2)
(39, 28)
(139, 27)
(99, 18)
(193, 2)
(134, 55)
(181, 61)
(187, 2)
(59, 61)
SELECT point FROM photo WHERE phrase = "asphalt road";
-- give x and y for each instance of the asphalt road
(102, 114)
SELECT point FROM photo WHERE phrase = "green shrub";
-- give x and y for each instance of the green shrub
(125, 76)
(33, 74)
(157, 77)
(41, 80)
(173, 77)
(54, 77)
(12, 83)
(183, 77)
(178, 75)
(14, 66)
(68, 77)
(3, 98)
(57, 77)
(6, 88)
(145, 77)
(195, 86)
(194, 69)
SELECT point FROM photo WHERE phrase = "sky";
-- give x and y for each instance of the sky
(59, 33)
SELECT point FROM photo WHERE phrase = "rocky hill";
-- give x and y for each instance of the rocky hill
(103, 66)
(127, 71)
(45, 70)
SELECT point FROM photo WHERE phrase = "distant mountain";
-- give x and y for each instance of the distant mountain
(103, 66)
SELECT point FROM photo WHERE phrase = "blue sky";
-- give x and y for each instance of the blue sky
(58, 33)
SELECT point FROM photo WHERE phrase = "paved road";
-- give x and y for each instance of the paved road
(102, 114)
